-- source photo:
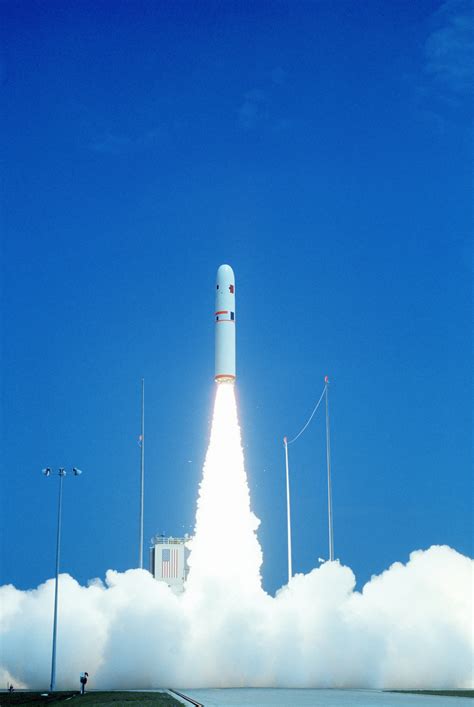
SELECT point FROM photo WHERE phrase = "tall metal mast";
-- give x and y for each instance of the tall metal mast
(288, 513)
(142, 477)
(328, 460)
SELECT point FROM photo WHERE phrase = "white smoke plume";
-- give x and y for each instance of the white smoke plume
(409, 627)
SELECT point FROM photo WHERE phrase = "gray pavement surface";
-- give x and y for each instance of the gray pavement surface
(263, 697)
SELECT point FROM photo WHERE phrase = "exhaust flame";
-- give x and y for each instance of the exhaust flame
(409, 627)
(225, 549)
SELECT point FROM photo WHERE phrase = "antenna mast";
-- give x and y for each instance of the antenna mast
(328, 460)
(142, 477)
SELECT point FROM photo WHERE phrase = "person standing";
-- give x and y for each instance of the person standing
(83, 680)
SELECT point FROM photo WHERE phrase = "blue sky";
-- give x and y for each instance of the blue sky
(323, 150)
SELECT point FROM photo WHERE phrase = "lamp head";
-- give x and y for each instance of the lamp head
(47, 471)
(76, 472)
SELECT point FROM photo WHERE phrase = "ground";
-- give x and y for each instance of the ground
(90, 699)
(440, 693)
(335, 698)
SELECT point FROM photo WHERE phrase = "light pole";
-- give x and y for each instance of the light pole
(61, 474)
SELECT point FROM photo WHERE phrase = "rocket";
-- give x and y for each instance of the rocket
(225, 325)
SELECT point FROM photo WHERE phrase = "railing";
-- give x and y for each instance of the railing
(162, 540)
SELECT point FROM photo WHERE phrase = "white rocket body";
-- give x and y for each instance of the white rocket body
(225, 325)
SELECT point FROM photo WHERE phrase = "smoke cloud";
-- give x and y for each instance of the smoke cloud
(411, 626)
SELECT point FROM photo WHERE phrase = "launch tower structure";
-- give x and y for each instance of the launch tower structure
(169, 561)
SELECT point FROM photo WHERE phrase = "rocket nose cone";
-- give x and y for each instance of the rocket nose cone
(225, 272)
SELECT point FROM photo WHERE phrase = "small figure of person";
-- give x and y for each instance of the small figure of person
(83, 680)
(11, 688)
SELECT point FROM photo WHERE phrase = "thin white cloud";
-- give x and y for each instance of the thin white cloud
(449, 49)
(118, 144)
(257, 109)
(444, 88)
(253, 109)
(112, 144)
(279, 76)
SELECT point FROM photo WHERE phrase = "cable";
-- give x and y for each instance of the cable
(310, 417)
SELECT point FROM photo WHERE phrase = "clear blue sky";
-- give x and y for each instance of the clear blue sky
(323, 149)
